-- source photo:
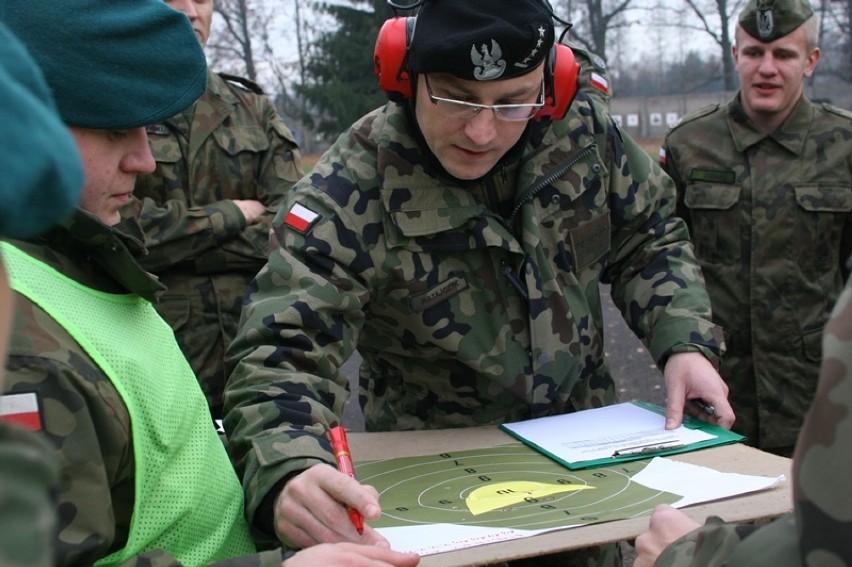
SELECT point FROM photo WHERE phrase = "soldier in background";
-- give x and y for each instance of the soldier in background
(458, 237)
(92, 369)
(223, 166)
(817, 532)
(41, 182)
(765, 185)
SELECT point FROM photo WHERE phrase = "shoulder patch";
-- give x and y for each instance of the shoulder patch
(300, 218)
(243, 82)
(836, 110)
(23, 409)
(599, 82)
(700, 113)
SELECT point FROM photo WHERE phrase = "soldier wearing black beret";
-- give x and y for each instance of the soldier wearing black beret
(457, 238)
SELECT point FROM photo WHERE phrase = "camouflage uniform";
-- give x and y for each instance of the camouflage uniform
(28, 476)
(817, 532)
(463, 316)
(231, 144)
(83, 415)
(771, 220)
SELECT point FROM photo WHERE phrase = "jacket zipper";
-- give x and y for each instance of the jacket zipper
(549, 178)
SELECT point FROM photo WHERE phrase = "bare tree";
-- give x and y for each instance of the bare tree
(715, 18)
(594, 19)
(242, 39)
(836, 38)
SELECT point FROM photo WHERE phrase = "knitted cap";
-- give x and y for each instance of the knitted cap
(111, 64)
(479, 40)
(42, 174)
(768, 20)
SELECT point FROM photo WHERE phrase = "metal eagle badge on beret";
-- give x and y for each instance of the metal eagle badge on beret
(481, 41)
(765, 18)
(768, 20)
(489, 64)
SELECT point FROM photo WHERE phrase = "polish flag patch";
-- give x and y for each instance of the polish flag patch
(300, 218)
(600, 82)
(21, 409)
(662, 156)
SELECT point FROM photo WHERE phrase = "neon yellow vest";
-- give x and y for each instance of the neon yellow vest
(189, 501)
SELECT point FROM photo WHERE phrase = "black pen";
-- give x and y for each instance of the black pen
(706, 407)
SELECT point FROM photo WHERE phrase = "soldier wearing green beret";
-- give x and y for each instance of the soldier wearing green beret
(223, 166)
(765, 184)
(457, 237)
(92, 369)
(41, 182)
(817, 531)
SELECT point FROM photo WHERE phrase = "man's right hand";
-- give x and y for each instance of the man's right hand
(251, 209)
(311, 509)
(351, 555)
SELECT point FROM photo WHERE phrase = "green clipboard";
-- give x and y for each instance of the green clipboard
(720, 436)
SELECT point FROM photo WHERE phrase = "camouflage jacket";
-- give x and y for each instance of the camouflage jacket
(462, 316)
(83, 417)
(817, 532)
(594, 79)
(28, 480)
(231, 144)
(771, 221)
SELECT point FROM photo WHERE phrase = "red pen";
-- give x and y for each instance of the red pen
(340, 446)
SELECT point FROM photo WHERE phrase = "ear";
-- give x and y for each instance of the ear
(811, 61)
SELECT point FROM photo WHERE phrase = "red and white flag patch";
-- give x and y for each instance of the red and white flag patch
(662, 157)
(300, 218)
(22, 409)
(600, 82)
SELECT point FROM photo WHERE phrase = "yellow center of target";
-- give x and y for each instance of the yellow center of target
(505, 494)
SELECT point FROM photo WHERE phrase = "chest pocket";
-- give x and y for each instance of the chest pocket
(826, 208)
(165, 149)
(713, 220)
(238, 139)
(167, 154)
(574, 230)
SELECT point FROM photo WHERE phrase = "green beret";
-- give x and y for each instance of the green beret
(111, 64)
(481, 41)
(42, 174)
(768, 20)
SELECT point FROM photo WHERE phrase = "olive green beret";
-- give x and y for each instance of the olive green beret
(111, 64)
(768, 20)
(42, 174)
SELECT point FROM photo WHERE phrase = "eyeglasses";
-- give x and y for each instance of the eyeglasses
(466, 110)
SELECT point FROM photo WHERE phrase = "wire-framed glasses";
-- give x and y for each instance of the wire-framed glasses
(466, 110)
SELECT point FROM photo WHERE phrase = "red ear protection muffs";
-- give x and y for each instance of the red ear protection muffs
(390, 62)
(390, 57)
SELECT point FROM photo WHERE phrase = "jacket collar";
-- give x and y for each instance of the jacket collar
(791, 134)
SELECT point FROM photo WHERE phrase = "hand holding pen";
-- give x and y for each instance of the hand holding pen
(340, 446)
(688, 376)
(312, 508)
